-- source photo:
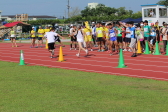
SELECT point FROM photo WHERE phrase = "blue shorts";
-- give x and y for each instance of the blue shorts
(113, 39)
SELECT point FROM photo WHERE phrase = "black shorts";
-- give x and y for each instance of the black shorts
(51, 46)
(99, 39)
(128, 40)
(147, 38)
(73, 39)
(119, 39)
(58, 39)
(32, 37)
(39, 38)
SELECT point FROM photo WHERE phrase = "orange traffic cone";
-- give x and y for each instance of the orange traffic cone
(46, 44)
(61, 57)
(139, 48)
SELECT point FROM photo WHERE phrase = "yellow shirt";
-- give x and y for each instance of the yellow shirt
(106, 30)
(88, 32)
(99, 32)
(33, 33)
(46, 30)
(41, 32)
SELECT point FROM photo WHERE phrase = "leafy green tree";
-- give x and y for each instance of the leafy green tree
(163, 2)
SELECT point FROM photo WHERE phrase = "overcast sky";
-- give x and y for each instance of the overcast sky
(59, 7)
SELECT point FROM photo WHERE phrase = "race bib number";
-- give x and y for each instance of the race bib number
(99, 32)
(87, 33)
(145, 29)
(153, 33)
(112, 34)
(119, 31)
(132, 32)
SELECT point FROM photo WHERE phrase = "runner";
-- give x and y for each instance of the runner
(133, 39)
(153, 37)
(59, 41)
(119, 35)
(99, 35)
(147, 31)
(94, 33)
(40, 37)
(80, 39)
(124, 37)
(13, 38)
(33, 37)
(165, 37)
(113, 38)
(105, 36)
(128, 36)
(88, 38)
(73, 36)
(51, 41)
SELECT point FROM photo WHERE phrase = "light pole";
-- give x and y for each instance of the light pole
(68, 8)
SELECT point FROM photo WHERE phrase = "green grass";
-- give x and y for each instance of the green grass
(43, 89)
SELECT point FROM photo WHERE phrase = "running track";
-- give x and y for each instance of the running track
(144, 66)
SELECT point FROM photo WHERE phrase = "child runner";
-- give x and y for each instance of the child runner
(147, 31)
(119, 35)
(165, 37)
(40, 37)
(51, 41)
(88, 38)
(128, 36)
(153, 37)
(113, 38)
(133, 39)
(94, 33)
(33, 37)
(73, 37)
(13, 38)
(99, 35)
(80, 38)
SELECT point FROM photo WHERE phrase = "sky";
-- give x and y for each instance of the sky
(58, 8)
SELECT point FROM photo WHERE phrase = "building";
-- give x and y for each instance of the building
(35, 17)
(92, 5)
(155, 13)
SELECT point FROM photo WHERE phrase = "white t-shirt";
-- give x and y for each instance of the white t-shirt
(80, 37)
(128, 35)
(51, 36)
(71, 31)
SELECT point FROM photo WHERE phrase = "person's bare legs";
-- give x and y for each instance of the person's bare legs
(14, 40)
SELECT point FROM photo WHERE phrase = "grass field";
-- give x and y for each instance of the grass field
(42, 89)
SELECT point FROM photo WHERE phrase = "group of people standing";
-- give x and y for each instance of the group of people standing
(112, 37)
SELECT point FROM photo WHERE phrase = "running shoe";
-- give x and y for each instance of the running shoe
(125, 50)
(86, 51)
(77, 55)
(51, 57)
(99, 51)
(91, 50)
(36, 47)
(102, 50)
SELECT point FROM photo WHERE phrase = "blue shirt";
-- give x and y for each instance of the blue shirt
(112, 32)
(132, 32)
(153, 33)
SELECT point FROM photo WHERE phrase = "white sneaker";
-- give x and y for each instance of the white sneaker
(77, 55)
(129, 50)
(91, 50)
(125, 50)
(75, 48)
(86, 51)
(70, 48)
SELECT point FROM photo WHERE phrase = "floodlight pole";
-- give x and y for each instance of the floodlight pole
(68, 8)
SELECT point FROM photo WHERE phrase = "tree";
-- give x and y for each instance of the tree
(75, 12)
(163, 2)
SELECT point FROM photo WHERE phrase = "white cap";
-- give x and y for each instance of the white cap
(93, 22)
(71, 25)
(33, 27)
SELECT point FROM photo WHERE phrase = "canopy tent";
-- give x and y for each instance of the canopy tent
(9, 25)
(5, 29)
(137, 20)
(134, 20)
(127, 20)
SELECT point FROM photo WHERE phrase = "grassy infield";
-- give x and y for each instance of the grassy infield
(42, 89)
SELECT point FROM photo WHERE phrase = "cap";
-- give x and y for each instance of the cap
(71, 25)
(152, 23)
(93, 22)
(33, 27)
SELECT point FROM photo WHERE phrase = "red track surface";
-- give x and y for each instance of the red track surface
(144, 66)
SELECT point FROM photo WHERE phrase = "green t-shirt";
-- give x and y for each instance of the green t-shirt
(147, 31)
(119, 32)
